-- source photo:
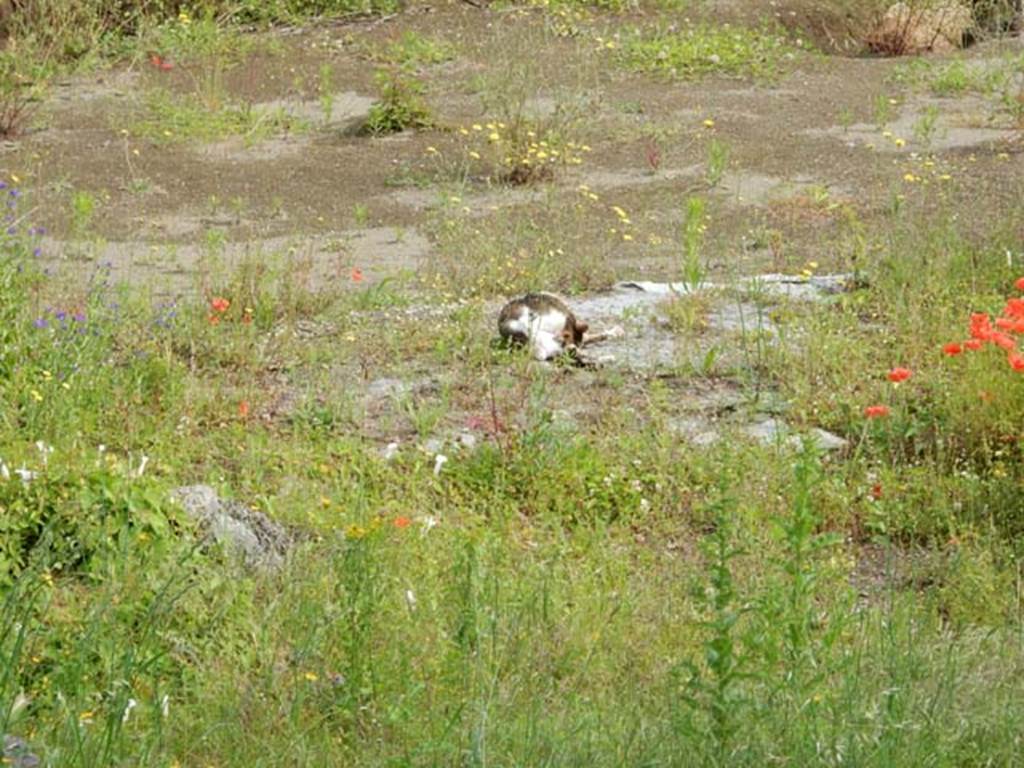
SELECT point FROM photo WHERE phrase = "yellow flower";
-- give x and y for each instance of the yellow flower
(325, 502)
(477, 127)
(909, 177)
(311, 676)
(627, 237)
(463, 131)
(36, 396)
(475, 155)
(47, 375)
(621, 213)
(184, 19)
(494, 136)
(541, 155)
(945, 177)
(431, 150)
(709, 123)
(899, 142)
(609, 45)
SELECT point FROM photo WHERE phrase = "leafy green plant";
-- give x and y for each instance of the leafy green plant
(400, 107)
(694, 227)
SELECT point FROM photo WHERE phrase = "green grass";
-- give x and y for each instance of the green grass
(169, 118)
(706, 49)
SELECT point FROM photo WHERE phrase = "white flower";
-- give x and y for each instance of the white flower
(390, 451)
(44, 450)
(26, 475)
(132, 704)
(429, 522)
(439, 461)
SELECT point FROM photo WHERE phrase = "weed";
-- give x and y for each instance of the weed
(400, 107)
(704, 49)
(693, 231)
(718, 161)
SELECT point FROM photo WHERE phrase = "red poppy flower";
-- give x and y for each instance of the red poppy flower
(219, 304)
(876, 411)
(357, 275)
(896, 375)
(160, 63)
(1016, 362)
(952, 349)
(214, 319)
(1003, 341)
(1019, 284)
(876, 491)
(402, 522)
(981, 326)
(973, 344)
(243, 409)
(1014, 308)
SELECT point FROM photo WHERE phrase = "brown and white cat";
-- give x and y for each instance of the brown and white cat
(544, 322)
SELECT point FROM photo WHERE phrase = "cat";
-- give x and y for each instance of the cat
(544, 322)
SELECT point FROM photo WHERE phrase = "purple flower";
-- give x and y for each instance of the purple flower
(79, 317)
(60, 314)
(39, 322)
(37, 252)
(3, 185)
(12, 230)
(15, 193)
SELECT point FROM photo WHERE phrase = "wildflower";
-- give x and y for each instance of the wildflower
(709, 123)
(78, 317)
(36, 396)
(896, 375)
(494, 136)
(952, 349)
(243, 409)
(184, 19)
(311, 676)
(439, 461)
(40, 322)
(219, 304)
(475, 155)
(909, 177)
(1016, 362)
(899, 142)
(431, 151)
(402, 522)
(876, 491)
(1003, 341)
(981, 327)
(973, 344)
(1019, 284)
(876, 411)
(357, 275)
(477, 127)
(128, 707)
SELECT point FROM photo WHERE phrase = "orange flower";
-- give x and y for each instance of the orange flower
(214, 319)
(952, 349)
(402, 522)
(876, 411)
(896, 375)
(1016, 362)
(357, 275)
(981, 326)
(219, 304)
(1019, 285)
(243, 409)
(973, 344)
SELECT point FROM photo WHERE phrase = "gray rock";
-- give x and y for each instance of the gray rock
(258, 539)
(17, 754)
(385, 388)
(772, 431)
